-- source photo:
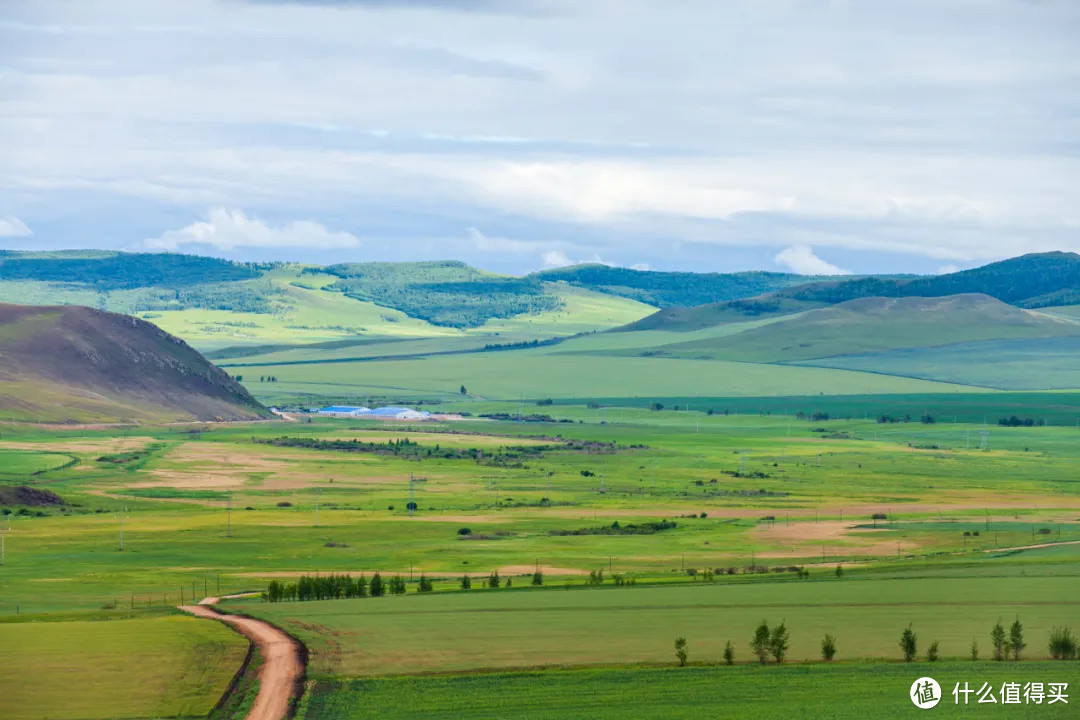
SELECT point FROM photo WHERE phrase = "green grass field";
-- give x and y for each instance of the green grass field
(144, 667)
(1031, 364)
(484, 629)
(208, 510)
(844, 691)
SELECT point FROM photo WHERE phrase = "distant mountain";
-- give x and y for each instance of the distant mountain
(75, 364)
(877, 324)
(295, 302)
(1030, 281)
(1036, 280)
(672, 289)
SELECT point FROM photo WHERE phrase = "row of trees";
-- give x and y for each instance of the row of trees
(773, 643)
(332, 587)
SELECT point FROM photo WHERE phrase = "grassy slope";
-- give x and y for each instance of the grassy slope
(1024, 364)
(876, 324)
(317, 315)
(535, 374)
(167, 666)
(77, 364)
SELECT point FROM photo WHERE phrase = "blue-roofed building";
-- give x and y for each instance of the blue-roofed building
(344, 410)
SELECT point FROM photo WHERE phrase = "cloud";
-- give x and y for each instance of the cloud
(12, 226)
(232, 229)
(555, 259)
(948, 269)
(802, 260)
(882, 130)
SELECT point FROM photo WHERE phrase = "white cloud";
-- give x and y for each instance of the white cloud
(555, 259)
(801, 259)
(947, 269)
(869, 127)
(12, 226)
(232, 229)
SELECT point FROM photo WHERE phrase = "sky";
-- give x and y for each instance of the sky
(813, 136)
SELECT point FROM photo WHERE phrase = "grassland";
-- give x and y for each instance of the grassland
(521, 628)
(848, 692)
(89, 667)
(1020, 364)
(210, 509)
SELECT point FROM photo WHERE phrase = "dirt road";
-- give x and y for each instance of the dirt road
(282, 665)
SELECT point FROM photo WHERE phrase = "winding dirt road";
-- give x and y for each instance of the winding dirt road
(282, 665)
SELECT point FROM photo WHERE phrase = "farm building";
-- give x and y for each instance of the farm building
(382, 413)
(398, 413)
(344, 411)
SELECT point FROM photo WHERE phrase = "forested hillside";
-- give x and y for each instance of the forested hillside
(672, 289)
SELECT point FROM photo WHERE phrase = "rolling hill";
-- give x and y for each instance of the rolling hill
(215, 303)
(75, 364)
(876, 324)
(1031, 281)
(671, 289)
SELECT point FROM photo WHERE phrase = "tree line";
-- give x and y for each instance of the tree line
(773, 643)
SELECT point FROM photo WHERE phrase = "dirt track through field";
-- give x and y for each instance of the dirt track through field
(282, 665)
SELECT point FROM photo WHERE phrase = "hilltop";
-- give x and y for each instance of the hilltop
(75, 364)
(671, 289)
(876, 324)
(1031, 281)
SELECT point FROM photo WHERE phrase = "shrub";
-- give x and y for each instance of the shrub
(778, 642)
(1063, 646)
(729, 654)
(466, 582)
(680, 650)
(932, 652)
(908, 644)
(760, 644)
(828, 648)
(974, 654)
(997, 638)
(1016, 639)
(464, 531)
(538, 577)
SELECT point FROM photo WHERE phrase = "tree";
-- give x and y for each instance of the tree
(729, 654)
(464, 391)
(778, 642)
(376, 589)
(997, 638)
(538, 577)
(1016, 639)
(760, 644)
(680, 650)
(839, 571)
(908, 644)
(466, 582)
(932, 652)
(974, 650)
(828, 648)
(425, 584)
(493, 580)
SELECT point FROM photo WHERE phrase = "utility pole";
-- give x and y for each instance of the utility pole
(228, 512)
(122, 531)
(412, 498)
(316, 506)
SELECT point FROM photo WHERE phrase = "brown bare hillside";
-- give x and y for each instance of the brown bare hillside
(75, 364)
